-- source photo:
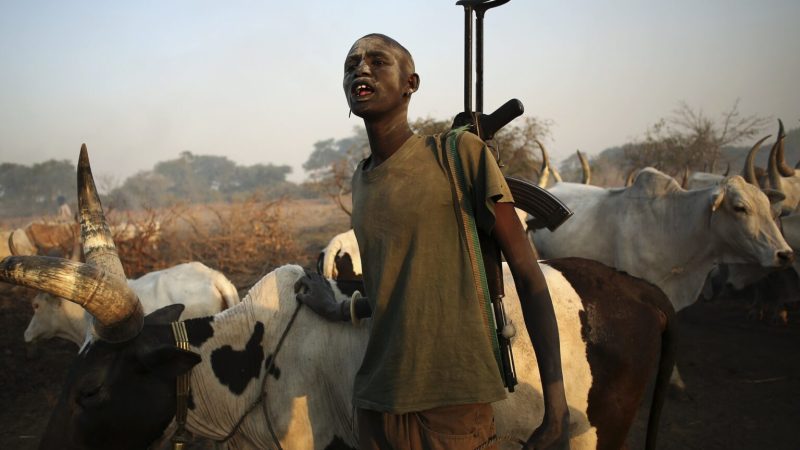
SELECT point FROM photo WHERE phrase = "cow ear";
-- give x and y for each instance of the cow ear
(165, 315)
(168, 361)
(717, 198)
(51, 300)
(774, 196)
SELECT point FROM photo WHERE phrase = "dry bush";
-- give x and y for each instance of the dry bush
(243, 240)
(139, 240)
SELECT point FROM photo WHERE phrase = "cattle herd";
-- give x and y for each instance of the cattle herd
(265, 372)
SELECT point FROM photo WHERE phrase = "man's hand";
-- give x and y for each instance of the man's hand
(551, 435)
(314, 291)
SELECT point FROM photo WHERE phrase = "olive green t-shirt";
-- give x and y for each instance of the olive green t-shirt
(428, 345)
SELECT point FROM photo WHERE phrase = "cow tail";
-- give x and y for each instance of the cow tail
(665, 365)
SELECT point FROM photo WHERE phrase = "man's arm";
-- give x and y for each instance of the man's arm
(540, 321)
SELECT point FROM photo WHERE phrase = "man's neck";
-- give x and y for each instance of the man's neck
(386, 136)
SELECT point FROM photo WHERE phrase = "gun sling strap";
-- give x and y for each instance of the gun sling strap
(466, 218)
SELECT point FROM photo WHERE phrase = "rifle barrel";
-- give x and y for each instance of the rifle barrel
(467, 59)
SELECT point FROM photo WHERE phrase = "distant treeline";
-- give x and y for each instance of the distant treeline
(37, 190)
(688, 139)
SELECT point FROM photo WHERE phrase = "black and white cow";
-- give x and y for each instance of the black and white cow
(616, 331)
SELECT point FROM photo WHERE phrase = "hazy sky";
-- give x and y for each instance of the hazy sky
(260, 81)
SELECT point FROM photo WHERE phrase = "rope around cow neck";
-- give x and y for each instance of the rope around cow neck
(263, 397)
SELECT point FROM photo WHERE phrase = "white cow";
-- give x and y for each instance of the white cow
(341, 254)
(657, 231)
(203, 291)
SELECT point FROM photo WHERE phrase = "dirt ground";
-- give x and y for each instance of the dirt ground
(743, 382)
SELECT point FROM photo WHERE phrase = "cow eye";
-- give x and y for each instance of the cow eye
(740, 209)
(90, 395)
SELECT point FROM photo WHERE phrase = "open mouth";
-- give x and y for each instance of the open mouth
(362, 90)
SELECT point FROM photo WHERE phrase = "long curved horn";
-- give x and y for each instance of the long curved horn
(556, 175)
(749, 171)
(727, 170)
(685, 177)
(544, 177)
(773, 172)
(105, 296)
(630, 177)
(98, 243)
(783, 168)
(587, 170)
(100, 251)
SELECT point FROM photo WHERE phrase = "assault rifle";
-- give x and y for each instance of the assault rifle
(547, 210)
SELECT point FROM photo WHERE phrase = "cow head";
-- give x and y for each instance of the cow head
(55, 317)
(132, 362)
(121, 395)
(741, 216)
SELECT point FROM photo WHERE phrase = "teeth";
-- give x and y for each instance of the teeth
(360, 88)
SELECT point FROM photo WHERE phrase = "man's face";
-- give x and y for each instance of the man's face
(375, 78)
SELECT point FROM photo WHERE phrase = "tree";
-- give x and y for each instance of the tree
(257, 177)
(332, 162)
(199, 179)
(146, 189)
(690, 139)
(34, 190)
(516, 144)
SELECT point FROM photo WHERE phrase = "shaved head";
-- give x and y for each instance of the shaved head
(408, 64)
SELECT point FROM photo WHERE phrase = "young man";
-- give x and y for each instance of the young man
(429, 375)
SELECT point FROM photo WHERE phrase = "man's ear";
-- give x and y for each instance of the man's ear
(413, 84)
